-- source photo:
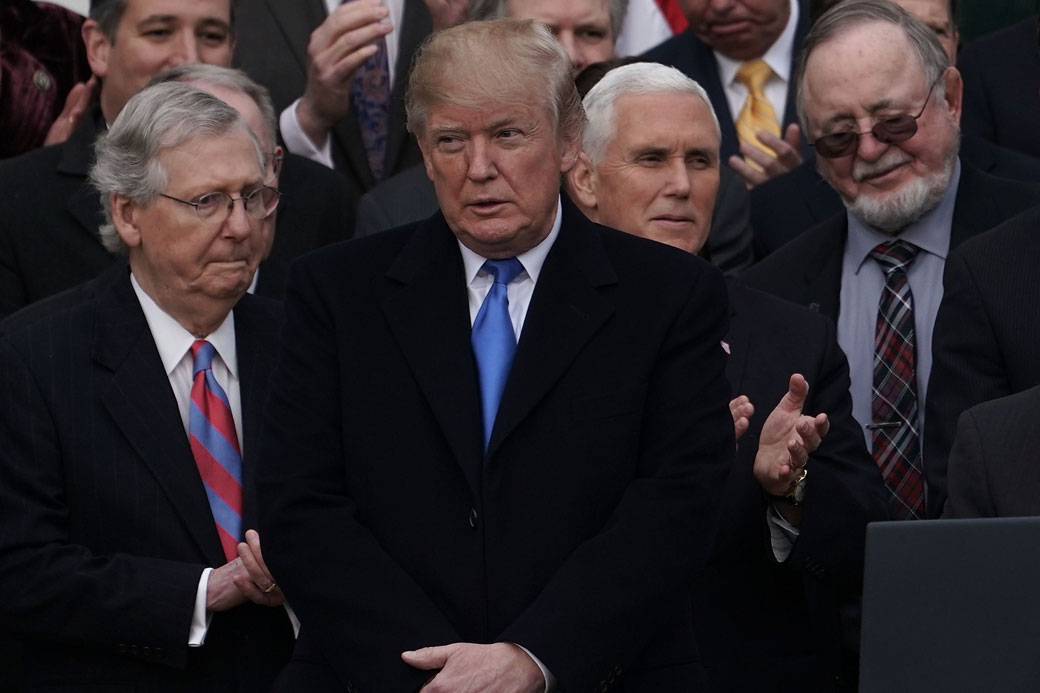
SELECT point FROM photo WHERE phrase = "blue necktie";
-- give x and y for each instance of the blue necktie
(494, 341)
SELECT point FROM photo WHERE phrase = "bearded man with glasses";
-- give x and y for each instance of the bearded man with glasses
(129, 424)
(881, 105)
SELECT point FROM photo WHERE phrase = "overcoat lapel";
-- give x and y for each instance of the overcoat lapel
(565, 312)
(429, 318)
(738, 338)
(143, 408)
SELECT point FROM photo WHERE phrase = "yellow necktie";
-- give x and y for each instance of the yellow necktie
(757, 114)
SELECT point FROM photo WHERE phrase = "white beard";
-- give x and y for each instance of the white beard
(915, 199)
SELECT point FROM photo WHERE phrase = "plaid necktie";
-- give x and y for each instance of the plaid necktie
(494, 341)
(214, 443)
(757, 113)
(896, 444)
(370, 94)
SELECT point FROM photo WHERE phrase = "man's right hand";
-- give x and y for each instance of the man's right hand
(336, 50)
(244, 579)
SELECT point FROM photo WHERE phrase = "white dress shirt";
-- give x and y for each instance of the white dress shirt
(174, 345)
(778, 57)
(292, 134)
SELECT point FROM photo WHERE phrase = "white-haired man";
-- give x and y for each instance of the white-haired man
(881, 104)
(649, 166)
(128, 450)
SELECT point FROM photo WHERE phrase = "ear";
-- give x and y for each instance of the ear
(124, 218)
(279, 157)
(570, 149)
(98, 47)
(581, 185)
(954, 92)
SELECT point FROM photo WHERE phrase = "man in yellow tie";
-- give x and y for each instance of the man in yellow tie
(742, 52)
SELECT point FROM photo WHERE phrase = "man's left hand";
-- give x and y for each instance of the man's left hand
(469, 668)
(788, 156)
(788, 438)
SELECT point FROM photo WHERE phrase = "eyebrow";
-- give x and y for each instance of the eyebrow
(172, 18)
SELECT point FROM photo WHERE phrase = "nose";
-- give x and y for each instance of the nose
(186, 49)
(566, 39)
(870, 148)
(678, 178)
(238, 225)
(480, 164)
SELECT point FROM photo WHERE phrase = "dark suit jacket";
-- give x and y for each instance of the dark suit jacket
(692, 57)
(49, 233)
(409, 197)
(993, 470)
(272, 38)
(785, 206)
(104, 524)
(787, 614)
(1002, 87)
(807, 270)
(986, 333)
(577, 533)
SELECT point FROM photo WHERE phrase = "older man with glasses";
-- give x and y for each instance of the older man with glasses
(881, 105)
(129, 424)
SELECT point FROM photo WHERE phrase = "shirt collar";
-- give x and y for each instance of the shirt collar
(532, 260)
(778, 57)
(173, 341)
(930, 233)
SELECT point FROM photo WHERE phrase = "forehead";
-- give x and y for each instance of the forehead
(866, 64)
(931, 12)
(556, 12)
(663, 119)
(478, 114)
(181, 10)
(212, 161)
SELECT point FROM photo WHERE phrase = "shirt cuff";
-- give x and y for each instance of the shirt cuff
(550, 680)
(200, 618)
(293, 619)
(297, 142)
(782, 534)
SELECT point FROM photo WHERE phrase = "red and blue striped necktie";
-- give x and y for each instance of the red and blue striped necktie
(214, 442)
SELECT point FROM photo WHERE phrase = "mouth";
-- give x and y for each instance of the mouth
(722, 29)
(672, 220)
(487, 205)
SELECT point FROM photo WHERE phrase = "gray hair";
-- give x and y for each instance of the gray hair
(499, 9)
(637, 78)
(159, 117)
(500, 60)
(108, 14)
(228, 78)
(851, 13)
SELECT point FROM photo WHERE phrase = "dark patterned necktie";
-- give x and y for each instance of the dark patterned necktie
(494, 341)
(370, 94)
(214, 443)
(897, 445)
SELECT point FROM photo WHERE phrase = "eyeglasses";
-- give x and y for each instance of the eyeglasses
(215, 207)
(892, 130)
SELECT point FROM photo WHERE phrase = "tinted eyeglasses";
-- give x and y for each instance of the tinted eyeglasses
(215, 207)
(892, 130)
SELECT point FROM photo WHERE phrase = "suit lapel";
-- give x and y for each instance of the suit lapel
(257, 334)
(822, 266)
(738, 337)
(296, 20)
(429, 318)
(77, 155)
(790, 109)
(973, 209)
(566, 311)
(415, 25)
(144, 410)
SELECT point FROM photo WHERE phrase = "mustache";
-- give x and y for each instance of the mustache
(889, 160)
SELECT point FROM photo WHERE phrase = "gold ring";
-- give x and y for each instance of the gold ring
(271, 588)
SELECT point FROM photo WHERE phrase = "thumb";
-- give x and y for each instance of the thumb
(427, 657)
(797, 391)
